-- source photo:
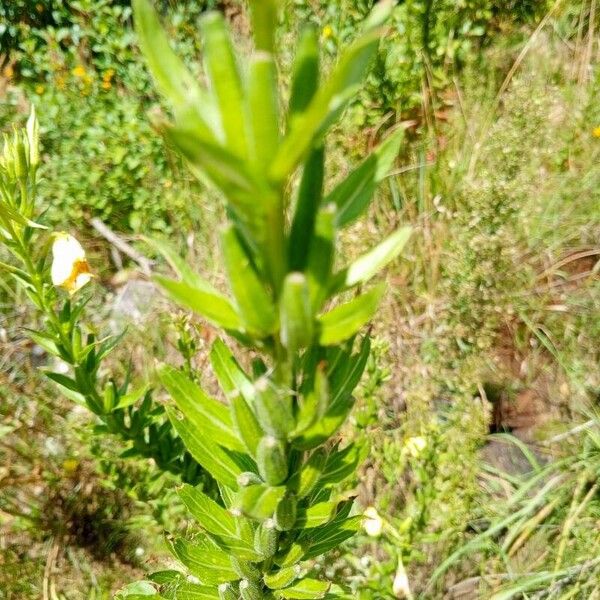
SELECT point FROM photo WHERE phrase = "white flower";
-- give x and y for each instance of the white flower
(401, 586)
(415, 445)
(373, 523)
(70, 269)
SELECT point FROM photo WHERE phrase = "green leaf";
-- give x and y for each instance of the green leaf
(68, 385)
(172, 78)
(322, 539)
(306, 589)
(264, 20)
(314, 403)
(305, 72)
(205, 561)
(353, 195)
(224, 169)
(137, 590)
(230, 375)
(368, 265)
(222, 70)
(246, 424)
(208, 454)
(217, 521)
(321, 256)
(310, 195)
(254, 302)
(131, 398)
(324, 428)
(192, 591)
(181, 268)
(341, 464)
(212, 306)
(316, 515)
(203, 412)
(264, 109)
(351, 373)
(347, 319)
(259, 501)
(327, 104)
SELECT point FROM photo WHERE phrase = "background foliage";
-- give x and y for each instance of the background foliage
(492, 325)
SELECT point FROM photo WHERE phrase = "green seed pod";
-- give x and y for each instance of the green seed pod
(295, 313)
(286, 513)
(227, 592)
(265, 538)
(271, 459)
(245, 569)
(21, 154)
(273, 409)
(250, 590)
(311, 472)
(248, 478)
(282, 578)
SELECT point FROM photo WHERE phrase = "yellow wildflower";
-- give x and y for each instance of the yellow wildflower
(327, 31)
(78, 71)
(596, 132)
(70, 269)
(70, 465)
(415, 445)
(373, 523)
(8, 72)
(39, 89)
(106, 85)
(108, 74)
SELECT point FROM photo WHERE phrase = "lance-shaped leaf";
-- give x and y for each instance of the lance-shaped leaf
(230, 375)
(264, 108)
(313, 403)
(203, 412)
(171, 76)
(204, 560)
(342, 463)
(327, 104)
(351, 372)
(254, 302)
(225, 170)
(264, 20)
(368, 265)
(208, 454)
(310, 194)
(316, 515)
(186, 590)
(321, 255)
(322, 539)
(305, 72)
(181, 268)
(353, 194)
(226, 85)
(305, 589)
(246, 424)
(216, 521)
(328, 425)
(213, 306)
(347, 319)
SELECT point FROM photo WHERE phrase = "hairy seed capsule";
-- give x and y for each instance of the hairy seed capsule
(286, 513)
(265, 538)
(272, 460)
(250, 590)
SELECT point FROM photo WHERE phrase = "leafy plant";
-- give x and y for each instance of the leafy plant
(272, 448)
(129, 413)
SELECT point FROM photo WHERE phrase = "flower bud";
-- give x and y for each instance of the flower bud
(373, 523)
